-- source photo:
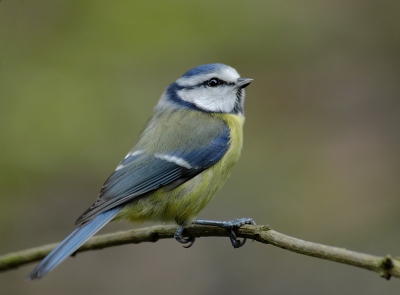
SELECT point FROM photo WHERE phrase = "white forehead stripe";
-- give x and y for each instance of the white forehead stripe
(227, 74)
(173, 159)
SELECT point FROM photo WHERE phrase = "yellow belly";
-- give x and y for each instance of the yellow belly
(183, 203)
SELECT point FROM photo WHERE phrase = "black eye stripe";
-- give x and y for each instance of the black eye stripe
(216, 82)
(203, 84)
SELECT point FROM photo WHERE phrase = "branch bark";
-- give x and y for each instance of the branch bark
(386, 267)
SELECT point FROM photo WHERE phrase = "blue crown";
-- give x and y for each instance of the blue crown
(204, 69)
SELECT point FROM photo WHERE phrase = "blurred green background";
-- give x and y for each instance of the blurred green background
(79, 79)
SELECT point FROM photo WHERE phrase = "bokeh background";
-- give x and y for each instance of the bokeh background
(78, 80)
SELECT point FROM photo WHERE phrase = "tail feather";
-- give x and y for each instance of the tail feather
(70, 244)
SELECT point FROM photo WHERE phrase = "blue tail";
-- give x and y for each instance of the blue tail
(79, 236)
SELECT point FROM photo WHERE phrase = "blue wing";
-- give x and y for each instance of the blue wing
(170, 163)
(72, 243)
(140, 173)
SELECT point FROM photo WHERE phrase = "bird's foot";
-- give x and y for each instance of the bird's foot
(230, 226)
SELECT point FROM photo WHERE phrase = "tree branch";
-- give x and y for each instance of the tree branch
(386, 267)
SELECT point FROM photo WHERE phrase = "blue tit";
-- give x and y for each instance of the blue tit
(183, 156)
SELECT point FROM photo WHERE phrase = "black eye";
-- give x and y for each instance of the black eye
(213, 82)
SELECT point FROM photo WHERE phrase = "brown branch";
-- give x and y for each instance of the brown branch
(386, 267)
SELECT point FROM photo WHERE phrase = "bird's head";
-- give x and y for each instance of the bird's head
(210, 88)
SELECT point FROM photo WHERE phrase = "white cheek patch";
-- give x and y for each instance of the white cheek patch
(173, 159)
(219, 99)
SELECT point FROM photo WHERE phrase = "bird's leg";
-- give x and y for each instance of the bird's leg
(178, 236)
(229, 225)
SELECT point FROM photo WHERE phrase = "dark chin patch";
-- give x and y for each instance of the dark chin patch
(238, 109)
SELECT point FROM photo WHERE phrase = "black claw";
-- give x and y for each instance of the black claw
(234, 240)
(236, 243)
(236, 223)
(190, 242)
(178, 236)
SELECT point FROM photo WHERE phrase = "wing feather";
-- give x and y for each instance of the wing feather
(142, 172)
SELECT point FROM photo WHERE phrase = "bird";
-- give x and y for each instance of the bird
(181, 159)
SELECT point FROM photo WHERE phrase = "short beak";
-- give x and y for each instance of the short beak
(243, 82)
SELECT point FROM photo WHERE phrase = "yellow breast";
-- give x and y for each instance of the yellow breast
(183, 203)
